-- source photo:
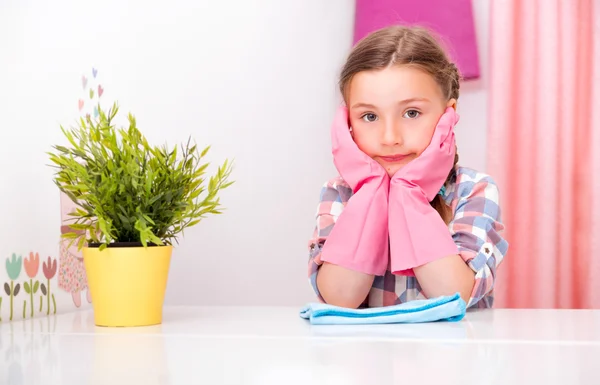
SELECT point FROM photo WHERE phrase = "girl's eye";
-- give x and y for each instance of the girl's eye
(369, 117)
(411, 114)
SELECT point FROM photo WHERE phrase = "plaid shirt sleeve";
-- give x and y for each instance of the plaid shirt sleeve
(333, 198)
(476, 229)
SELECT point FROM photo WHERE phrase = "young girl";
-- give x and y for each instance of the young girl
(403, 221)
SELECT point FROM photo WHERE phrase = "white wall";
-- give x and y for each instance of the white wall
(255, 79)
(471, 131)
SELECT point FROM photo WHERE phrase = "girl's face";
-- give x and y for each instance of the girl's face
(393, 113)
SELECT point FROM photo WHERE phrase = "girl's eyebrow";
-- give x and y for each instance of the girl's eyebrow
(363, 105)
(412, 100)
(402, 102)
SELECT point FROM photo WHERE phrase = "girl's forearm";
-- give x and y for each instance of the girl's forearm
(343, 287)
(446, 276)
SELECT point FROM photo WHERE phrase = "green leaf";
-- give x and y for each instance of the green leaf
(80, 243)
(146, 217)
(78, 226)
(205, 151)
(193, 223)
(36, 286)
(26, 287)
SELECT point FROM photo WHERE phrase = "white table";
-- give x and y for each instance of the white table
(273, 345)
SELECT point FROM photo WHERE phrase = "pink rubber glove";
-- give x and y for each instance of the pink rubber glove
(418, 235)
(359, 239)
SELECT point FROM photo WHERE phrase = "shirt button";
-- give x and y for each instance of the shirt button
(487, 248)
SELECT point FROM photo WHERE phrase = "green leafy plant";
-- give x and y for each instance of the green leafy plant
(127, 190)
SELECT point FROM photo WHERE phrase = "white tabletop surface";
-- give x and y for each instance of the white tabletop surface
(272, 345)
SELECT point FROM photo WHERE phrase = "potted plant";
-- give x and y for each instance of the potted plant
(132, 201)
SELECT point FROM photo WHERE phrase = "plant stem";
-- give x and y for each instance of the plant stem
(0, 309)
(41, 303)
(24, 308)
(11, 299)
(54, 302)
(31, 295)
(48, 310)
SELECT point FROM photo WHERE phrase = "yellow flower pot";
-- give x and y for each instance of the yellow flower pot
(127, 284)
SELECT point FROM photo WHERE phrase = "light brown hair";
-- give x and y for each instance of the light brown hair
(414, 46)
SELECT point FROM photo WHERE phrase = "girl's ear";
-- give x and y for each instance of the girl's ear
(451, 103)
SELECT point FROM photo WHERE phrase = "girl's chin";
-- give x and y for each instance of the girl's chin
(392, 169)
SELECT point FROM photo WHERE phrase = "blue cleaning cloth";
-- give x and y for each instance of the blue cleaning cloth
(446, 308)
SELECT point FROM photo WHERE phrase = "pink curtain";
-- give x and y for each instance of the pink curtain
(544, 146)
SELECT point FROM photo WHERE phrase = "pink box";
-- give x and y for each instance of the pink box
(451, 19)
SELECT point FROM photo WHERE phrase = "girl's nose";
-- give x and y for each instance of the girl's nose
(392, 135)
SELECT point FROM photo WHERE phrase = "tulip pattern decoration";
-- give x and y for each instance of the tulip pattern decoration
(32, 265)
(49, 269)
(13, 269)
(33, 284)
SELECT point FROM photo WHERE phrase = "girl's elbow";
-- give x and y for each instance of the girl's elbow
(342, 287)
(465, 288)
(345, 301)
